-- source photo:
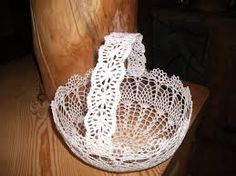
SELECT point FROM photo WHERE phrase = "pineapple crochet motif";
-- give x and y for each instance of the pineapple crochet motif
(120, 117)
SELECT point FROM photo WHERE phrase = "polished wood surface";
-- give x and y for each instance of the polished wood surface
(30, 145)
(67, 34)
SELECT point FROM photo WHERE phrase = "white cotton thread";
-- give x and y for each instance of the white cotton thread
(123, 119)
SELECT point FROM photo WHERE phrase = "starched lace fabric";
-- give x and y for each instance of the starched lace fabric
(120, 117)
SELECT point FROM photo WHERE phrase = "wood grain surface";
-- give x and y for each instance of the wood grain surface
(67, 34)
(30, 145)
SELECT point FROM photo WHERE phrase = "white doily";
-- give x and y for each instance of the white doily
(120, 119)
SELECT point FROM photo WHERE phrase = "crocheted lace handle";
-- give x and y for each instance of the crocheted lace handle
(104, 94)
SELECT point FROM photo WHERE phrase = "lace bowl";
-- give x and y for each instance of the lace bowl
(120, 117)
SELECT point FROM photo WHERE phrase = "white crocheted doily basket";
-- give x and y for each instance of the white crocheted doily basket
(120, 117)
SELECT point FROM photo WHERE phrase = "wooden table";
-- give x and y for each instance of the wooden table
(30, 144)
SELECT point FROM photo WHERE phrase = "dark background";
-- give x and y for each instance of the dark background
(196, 40)
(15, 30)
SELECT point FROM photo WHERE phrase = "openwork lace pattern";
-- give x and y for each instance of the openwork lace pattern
(120, 117)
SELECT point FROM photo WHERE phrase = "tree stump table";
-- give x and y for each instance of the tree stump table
(31, 145)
